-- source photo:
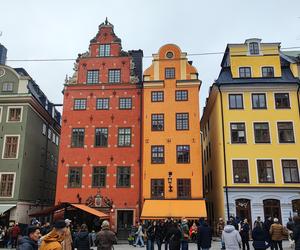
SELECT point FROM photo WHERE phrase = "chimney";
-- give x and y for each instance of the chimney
(3, 53)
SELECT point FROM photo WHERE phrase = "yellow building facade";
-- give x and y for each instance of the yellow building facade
(251, 135)
(172, 169)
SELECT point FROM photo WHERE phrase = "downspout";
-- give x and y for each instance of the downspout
(224, 155)
(298, 98)
(141, 145)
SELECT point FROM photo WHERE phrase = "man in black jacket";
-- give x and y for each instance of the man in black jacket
(30, 242)
(204, 236)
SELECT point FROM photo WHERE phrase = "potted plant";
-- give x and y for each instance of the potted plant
(130, 239)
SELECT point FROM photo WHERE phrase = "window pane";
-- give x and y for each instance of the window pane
(125, 103)
(169, 73)
(104, 50)
(79, 104)
(259, 101)
(282, 100)
(285, 132)
(235, 101)
(183, 154)
(268, 72)
(157, 154)
(265, 171)
(182, 121)
(240, 171)
(99, 176)
(92, 77)
(102, 103)
(262, 134)
(184, 188)
(75, 175)
(157, 96)
(6, 185)
(101, 137)
(181, 95)
(78, 137)
(114, 76)
(238, 133)
(124, 137)
(123, 177)
(11, 147)
(157, 188)
(157, 122)
(14, 114)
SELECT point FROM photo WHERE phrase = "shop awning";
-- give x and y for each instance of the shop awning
(161, 209)
(91, 211)
(6, 207)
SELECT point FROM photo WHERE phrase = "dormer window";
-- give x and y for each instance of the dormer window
(245, 72)
(7, 87)
(104, 50)
(267, 72)
(254, 48)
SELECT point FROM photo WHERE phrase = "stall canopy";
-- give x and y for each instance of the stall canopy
(161, 209)
(6, 207)
(91, 211)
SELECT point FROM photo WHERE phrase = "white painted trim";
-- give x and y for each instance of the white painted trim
(249, 171)
(282, 92)
(7, 114)
(251, 101)
(261, 143)
(14, 183)
(248, 41)
(286, 143)
(281, 167)
(274, 174)
(246, 134)
(3, 148)
(245, 66)
(1, 112)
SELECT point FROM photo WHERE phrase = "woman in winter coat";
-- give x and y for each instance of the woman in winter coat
(296, 232)
(174, 234)
(82, 240)
(244, 232)
(259, 237)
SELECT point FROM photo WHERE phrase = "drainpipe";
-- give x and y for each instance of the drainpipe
(298, 91)
(141, 157)
(224, 154)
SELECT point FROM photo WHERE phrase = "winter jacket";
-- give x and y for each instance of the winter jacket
(204, 236)
(27, 244)
(82, 241)
(231, 238)
(296, 236)
(185, 231)
(259, 238)
(244, 232)
(67, 243)
(15, 231)
(276, 232)
(220, 228)
(174, 236)
(52, 241)
(105, 239)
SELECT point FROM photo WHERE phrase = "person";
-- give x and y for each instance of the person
(68, 242)
(231, 237)
(244, 232)
(258, 220)
(193, 232)
(185, 234)
(150, 236)
(204, 236)
(54, 239)
(296, 232)
(290, 225)
(158, 234)
(92, 237)
(139, 236)
(30, 242)
(15, 232)
(46, 229)
(220, 228)
(174, 235)
(82, 241)
(167, 227)
(277, 234)
(259, 237)
(105, 238)
(266, 226)
(234, 223)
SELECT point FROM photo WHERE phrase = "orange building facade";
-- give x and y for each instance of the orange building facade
(99, 162)
(172, 169)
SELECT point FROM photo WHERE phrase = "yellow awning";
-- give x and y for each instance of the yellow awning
(161, 209)
(91, 211)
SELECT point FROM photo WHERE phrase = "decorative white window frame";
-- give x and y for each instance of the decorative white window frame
(18, 146)
(13, 187)
(13, 107)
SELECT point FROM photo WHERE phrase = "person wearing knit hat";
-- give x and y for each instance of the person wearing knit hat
(54, 239)
(68, 242)
(105, 238)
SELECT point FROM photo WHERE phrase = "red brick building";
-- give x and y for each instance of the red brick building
(99, 160)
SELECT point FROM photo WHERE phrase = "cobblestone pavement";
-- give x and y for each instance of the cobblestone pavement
(192, 246)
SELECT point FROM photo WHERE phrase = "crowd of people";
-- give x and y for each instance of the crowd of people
(168, 234)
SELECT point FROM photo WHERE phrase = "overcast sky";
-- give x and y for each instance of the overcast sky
(63, 28)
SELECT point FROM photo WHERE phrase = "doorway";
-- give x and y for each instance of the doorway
(243, 210)
(272, 209)
(124, 223)
(296, 207)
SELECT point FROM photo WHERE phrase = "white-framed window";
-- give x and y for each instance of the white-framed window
(53, 137)
(1, 111)
(7, 184)
(49, 133)
(44, 129)
(7, 87)
(14, 114)
(10, 147)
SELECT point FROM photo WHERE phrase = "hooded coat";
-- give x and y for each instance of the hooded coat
(231, 238)
(82, 241)
(27, 244)
(52, 241)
